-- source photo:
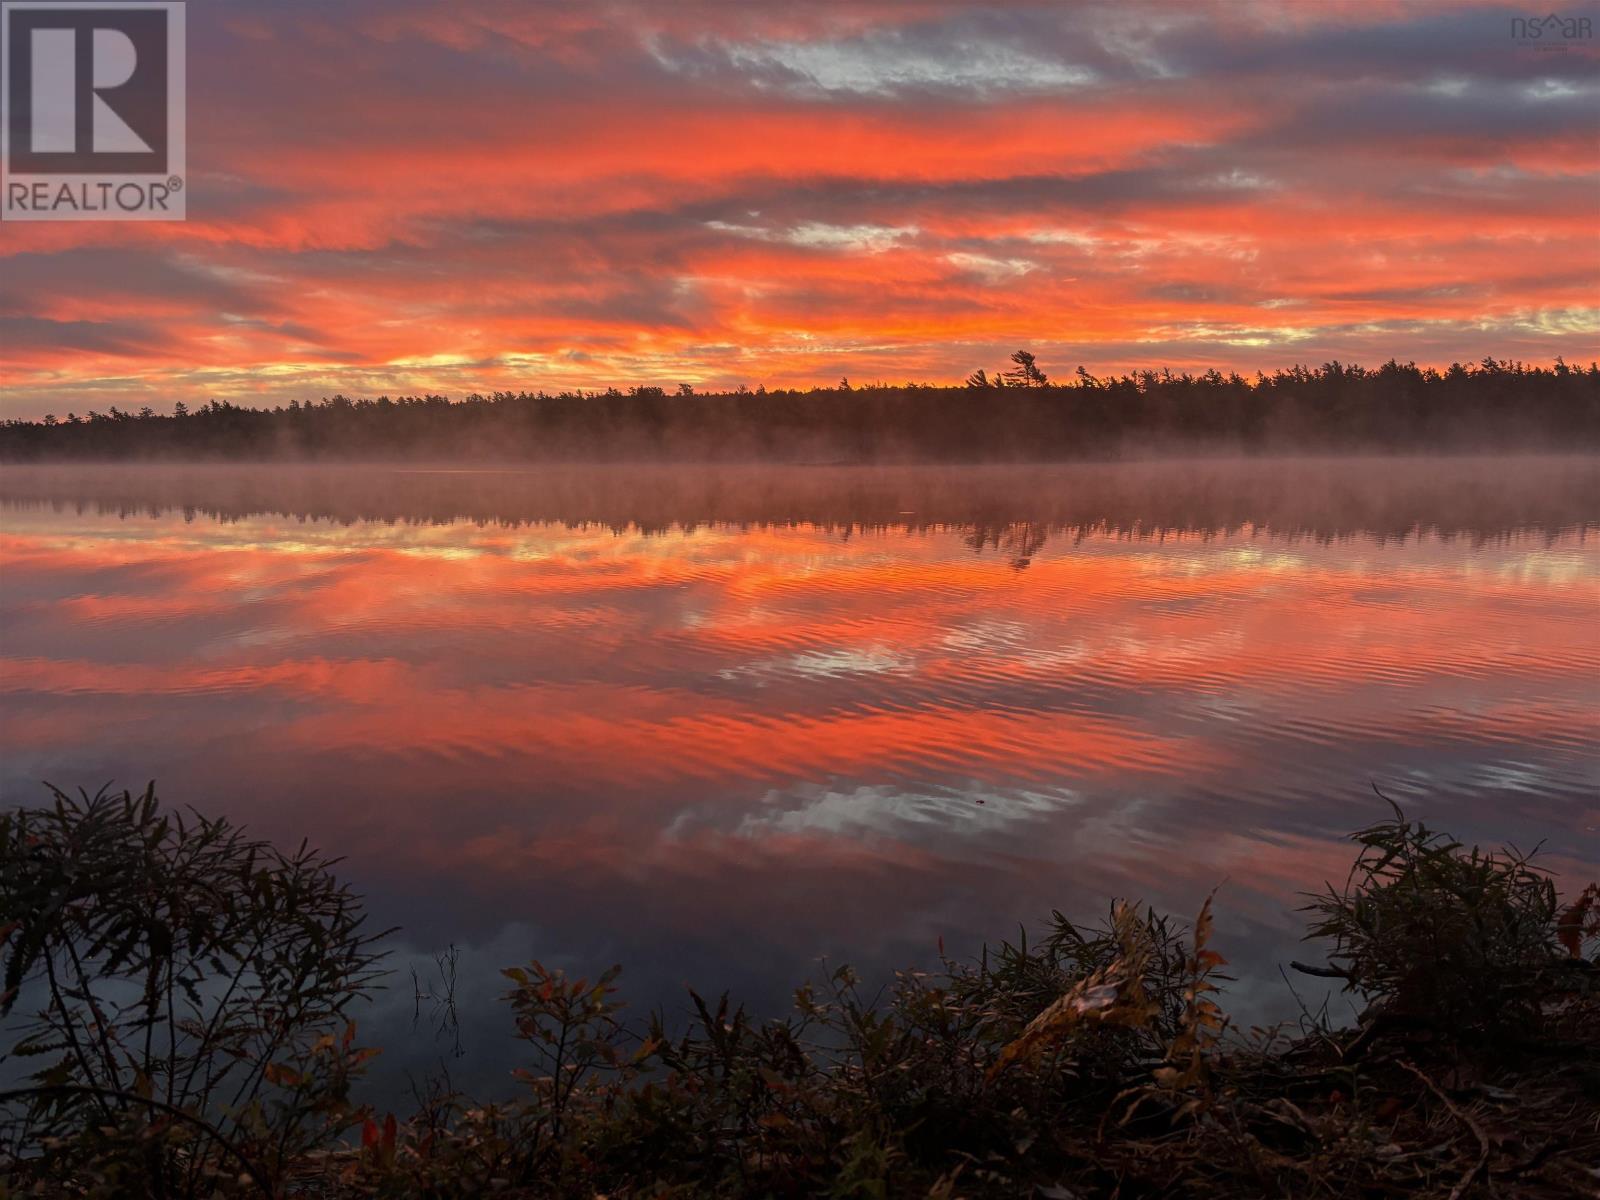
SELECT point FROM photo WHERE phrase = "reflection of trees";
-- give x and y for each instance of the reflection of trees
(1019, 541)
(1011, 510)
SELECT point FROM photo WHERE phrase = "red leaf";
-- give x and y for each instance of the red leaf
(281, 1075)
(369, 1134)
(1570, 925)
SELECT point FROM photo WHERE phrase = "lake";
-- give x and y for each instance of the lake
(717, 724)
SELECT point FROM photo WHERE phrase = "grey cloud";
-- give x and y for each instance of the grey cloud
(130, 339)
(134, 275)
(1482, 118)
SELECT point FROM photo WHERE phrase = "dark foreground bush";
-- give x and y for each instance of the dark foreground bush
(188, 990)
(184, 989)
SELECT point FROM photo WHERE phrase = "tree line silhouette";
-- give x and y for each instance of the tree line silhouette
(1018, 414)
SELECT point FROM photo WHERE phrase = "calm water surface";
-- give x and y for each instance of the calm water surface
(716, 724)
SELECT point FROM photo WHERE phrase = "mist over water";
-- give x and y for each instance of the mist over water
(716, 723)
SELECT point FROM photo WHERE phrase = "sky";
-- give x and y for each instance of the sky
(397, 196)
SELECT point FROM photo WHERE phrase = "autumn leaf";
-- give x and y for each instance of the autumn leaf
(1574, 924)
(282, 1076)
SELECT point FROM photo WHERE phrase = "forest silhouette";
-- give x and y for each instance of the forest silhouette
(1018, 414)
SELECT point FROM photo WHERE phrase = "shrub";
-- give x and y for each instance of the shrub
(175, 976)
(1425, 928)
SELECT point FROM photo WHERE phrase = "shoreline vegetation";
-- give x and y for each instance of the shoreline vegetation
(1019, 414)
(177, 1001)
